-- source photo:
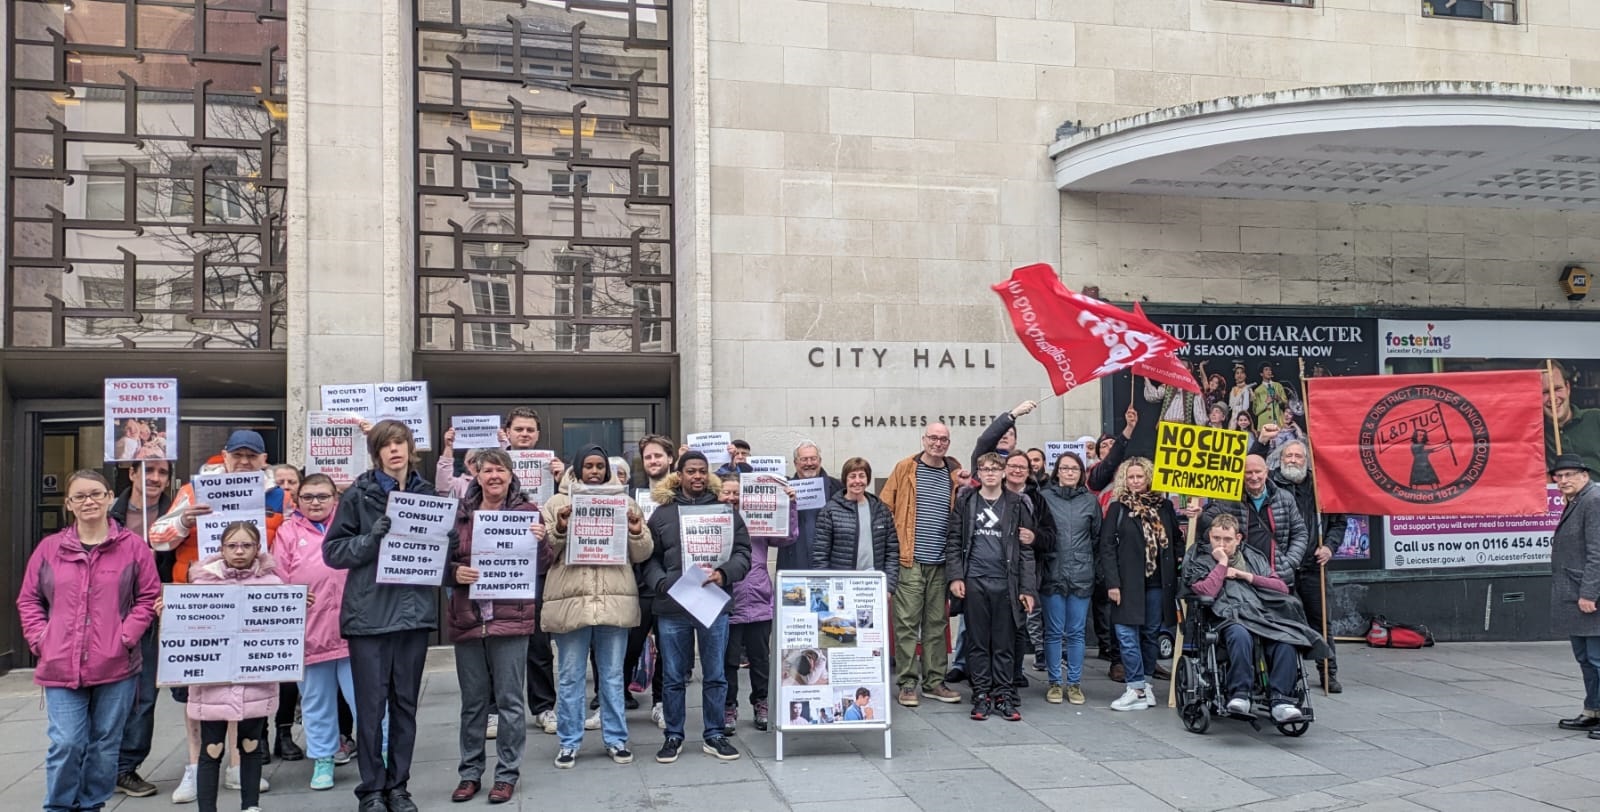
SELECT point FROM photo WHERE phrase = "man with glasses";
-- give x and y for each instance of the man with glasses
(147, 498)
(1575, 585)
(807, 465)
(920, 491)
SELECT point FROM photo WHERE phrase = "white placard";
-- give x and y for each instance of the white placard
(697, 596)
(244, 492)
(416, 546)
(208, 529)
(214, 634)
(764, 505)
(705, 535)
(810, 493)
(141, 419)
(645, 501)
(832, 658)
(597, 530)
(506, 555)
(476, 430)
(532, 467)
(335, 446)
(356, 398)
(768, 465)
(1054, 449)
(713, 444)
(406, 401)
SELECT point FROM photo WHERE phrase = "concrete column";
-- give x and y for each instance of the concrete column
(692, 179)
(351, 244)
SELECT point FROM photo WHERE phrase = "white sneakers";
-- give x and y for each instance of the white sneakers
(658, 716)
(592, 722)
(1285, 712)
(1239, 705)
(188, 789)
(230, 779)
(493, 729)
(547, 720)
(1134, 699)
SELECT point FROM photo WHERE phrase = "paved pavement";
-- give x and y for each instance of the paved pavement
(1457, 727)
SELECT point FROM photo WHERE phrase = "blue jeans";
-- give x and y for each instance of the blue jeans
(1065, 615)
(676, 635)
(319, 705)
(85, 727)
(609, 644)
(1586, 650)
(1141, 645)
(139, 733)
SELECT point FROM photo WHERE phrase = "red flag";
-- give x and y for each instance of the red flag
(1077, 338)
(1165, 367)
(1462, 443)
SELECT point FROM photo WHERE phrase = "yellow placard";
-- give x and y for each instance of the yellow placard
(1200, 461)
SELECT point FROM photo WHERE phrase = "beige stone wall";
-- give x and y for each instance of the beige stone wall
(874, 166)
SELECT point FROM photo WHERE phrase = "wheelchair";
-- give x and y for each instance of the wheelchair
(1200, 678)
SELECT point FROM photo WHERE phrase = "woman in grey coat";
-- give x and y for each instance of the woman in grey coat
(851, 518)
(1068, 573)
(1575, 581)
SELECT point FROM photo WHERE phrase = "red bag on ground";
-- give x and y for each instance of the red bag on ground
(1384, 634)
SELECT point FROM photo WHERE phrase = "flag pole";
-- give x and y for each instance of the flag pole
(1322, 569)
(1550, 386)
(1177, 639)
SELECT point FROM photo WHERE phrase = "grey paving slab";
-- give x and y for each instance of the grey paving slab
(1376, 789)
(1188, 783)
(1542, 784)
(1491, 800)
(1426, 747)
(1303, 802)
(1045, 766)
(1077, 799)
(962, 790)
(743, 796)
(844, 777)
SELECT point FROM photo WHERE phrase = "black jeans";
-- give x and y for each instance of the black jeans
(636, 638)
(1308, 585)
(214, 735)
(140, 730)
(1282, 661)
(1105, 633)
(754, 640)
(288, 698)
(991, 640)
(387, 672)
(541, 670)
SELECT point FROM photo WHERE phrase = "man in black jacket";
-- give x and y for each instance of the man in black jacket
(989, 565)
(807, 465)
(148, 497)
(1291, 473)
(1268, 517)
(692, 489)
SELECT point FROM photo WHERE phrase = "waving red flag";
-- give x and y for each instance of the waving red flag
(1461, 443)
(1077, 338)
(1165, 367)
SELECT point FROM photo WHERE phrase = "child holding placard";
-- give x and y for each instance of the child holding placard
(242, 562)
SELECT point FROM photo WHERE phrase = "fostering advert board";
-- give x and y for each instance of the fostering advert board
(831, 645)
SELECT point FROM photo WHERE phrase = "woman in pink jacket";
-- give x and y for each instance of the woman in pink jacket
(88, 595)
(242, 562)
(298, 551)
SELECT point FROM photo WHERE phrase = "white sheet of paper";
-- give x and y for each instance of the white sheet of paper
(768, 465)
(244, 492)
(713, 444)
(703, 602)
(419, 514)
(810, 493)
(476, 430)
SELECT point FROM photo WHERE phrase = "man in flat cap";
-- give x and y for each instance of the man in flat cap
(1575, 581)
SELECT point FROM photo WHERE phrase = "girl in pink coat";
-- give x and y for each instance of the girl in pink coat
(242, 562)
(88, 595)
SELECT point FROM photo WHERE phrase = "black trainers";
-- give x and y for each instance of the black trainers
(620, 754)
(721, 748)
(669, 751)
(133, 786)
(1007, 711)
(981, 708)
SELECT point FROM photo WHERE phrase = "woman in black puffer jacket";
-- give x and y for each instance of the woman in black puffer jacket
(1068, 573)
(837, 545)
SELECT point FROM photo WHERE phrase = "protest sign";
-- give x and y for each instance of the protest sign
(810, 493)
(768, 465)
(705, 535)
(506, 555)
(335, 446)
(532, 467)
(210, 528)
(240, 497)
(356, 398)
(832, 650)
(1200, 461)
(141, 419)
(646, 503)
(713, 444)
(406, 401)
(415, 549)
(1054, 449)
(231, 634)
(597, 531)
(476, 430)
(764, 504)
(696, 595)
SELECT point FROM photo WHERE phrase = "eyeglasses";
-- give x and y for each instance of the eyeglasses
(933, 438)
(991, 470)
(89, 496)
(239, 546)
(315, 497)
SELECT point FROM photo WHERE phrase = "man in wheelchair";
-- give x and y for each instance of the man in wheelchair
(1240, 597)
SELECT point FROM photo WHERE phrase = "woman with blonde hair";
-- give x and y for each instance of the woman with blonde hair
(1139, 544)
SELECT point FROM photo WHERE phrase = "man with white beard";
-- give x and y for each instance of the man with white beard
(1291, 472)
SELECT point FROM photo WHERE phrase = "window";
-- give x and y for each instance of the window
(493, 179)
(647, 303)
(491, 296)
(571, 336)
(649, 181)
(564, 181)
(1497, 11)
(430, 170)
(104, 192)
(105, 293)
(221, 195)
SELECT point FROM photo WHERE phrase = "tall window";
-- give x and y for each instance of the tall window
(573, 101)
(147, 165)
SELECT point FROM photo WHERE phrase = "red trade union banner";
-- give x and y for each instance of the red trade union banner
(1166, 367)
(1077, 338)
(1461, 443)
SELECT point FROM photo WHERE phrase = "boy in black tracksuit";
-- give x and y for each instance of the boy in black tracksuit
(989, 564)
